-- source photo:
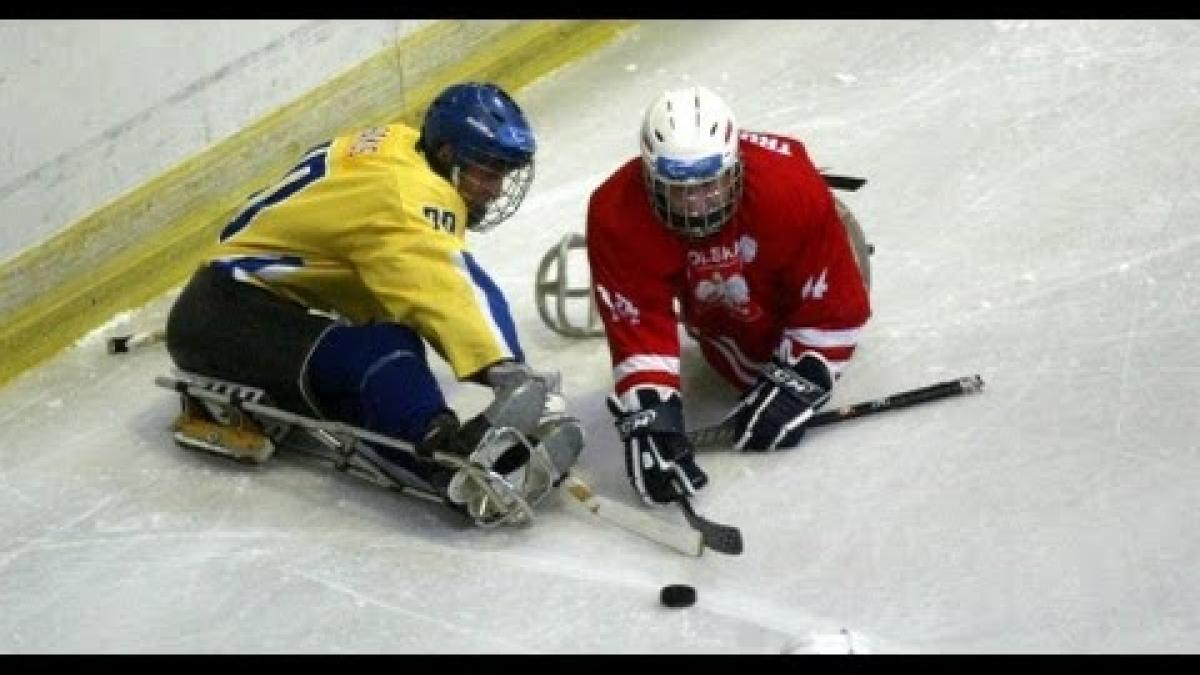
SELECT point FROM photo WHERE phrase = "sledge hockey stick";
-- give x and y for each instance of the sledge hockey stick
(722, 434)
(683, 539)
(687, 540)
(847, 183)
(720, 538)
(122, 344)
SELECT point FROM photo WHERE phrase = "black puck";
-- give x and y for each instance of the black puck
(118, 345)
(678, 595)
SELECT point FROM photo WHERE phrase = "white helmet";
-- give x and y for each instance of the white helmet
(690, 159)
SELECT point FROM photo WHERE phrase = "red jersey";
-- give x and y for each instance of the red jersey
(779, 278)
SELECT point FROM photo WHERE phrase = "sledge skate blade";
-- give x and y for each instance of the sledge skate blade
(243, 441)
(247, 455)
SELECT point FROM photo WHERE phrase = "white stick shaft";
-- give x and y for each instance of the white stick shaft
(148, 337)
(681, 538)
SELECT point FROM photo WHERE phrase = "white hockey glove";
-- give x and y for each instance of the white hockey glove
(658, 456)
(559, 432)
(524, 442)
(773, 413)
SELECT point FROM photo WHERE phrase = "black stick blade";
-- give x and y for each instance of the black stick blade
(720, 538)
(848, 183)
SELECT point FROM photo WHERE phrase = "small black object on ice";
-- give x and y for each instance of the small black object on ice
(678, 595)
(118, 345)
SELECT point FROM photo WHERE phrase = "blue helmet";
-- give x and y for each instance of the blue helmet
(490, 149)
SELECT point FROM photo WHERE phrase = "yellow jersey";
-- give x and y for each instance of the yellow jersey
(363, 228)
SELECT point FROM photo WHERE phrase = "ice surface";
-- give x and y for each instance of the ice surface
(1033, 204)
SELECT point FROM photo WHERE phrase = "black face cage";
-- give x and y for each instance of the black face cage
(694, 227)
(513, 187)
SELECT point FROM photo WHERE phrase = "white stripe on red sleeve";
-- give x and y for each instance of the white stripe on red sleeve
(835, 346)
(646, 369)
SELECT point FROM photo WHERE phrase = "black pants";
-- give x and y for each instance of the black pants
(231, 330)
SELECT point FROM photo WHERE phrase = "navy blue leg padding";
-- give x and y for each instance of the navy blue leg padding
(376, 377)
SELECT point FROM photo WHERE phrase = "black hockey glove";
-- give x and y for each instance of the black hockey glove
(442, 434)
(658, 456)
(774, 412)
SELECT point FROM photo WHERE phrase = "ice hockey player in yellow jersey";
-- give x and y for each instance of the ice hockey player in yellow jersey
(327, 286)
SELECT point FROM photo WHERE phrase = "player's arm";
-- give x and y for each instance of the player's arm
(635, 297)
(829, 306)
(824, 316)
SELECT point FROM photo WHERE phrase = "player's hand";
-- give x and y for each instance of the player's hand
(774, 412)
(658, 457)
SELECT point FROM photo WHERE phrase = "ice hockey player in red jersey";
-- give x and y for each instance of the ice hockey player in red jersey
(736, 235)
